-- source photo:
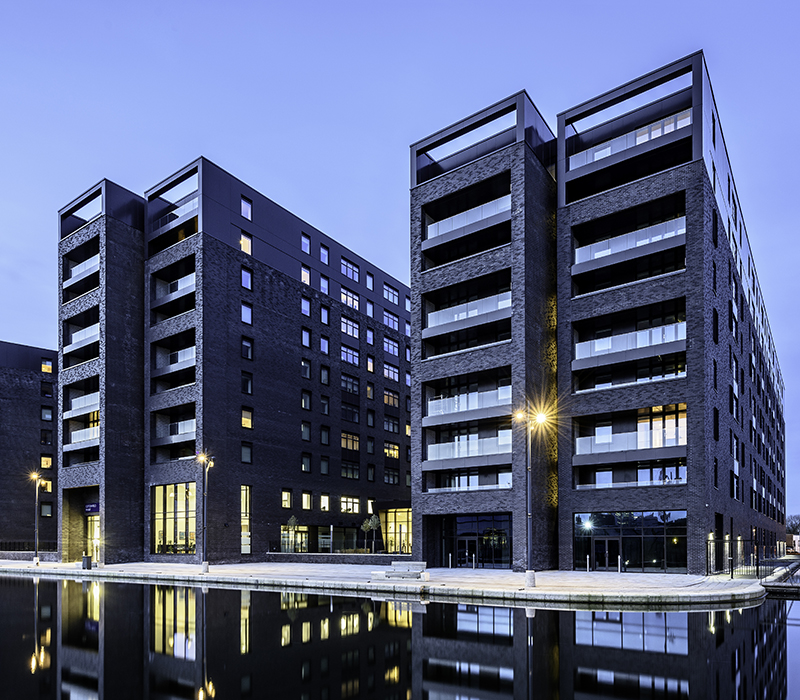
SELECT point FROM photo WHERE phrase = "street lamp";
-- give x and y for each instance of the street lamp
(36, 478)
(208, 462)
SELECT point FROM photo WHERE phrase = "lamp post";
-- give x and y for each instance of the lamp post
(36, 478)
(531, 418)
(207, 461)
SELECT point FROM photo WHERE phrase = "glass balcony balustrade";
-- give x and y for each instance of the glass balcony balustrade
(177, 213)
(467, 402)
(175, 357)
(470, 216)
(182, 427)
(164, 288)
(631, 341)
(631, 139)
(84, 435)
(84, 333)
(628, 241)
(76, 270)
(631, 484)
(476, 447)
(623, 442)
(470, 309)
(83, 401)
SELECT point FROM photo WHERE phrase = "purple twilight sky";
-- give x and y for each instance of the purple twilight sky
(315, 104)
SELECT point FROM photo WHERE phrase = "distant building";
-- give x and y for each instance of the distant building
(205, 318)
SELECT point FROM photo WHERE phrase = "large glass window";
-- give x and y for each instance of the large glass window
(173, 508)
(350, 269)
(349, 298)
(246, 499)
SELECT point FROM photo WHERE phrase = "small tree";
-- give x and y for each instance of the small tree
(366, 526)
(375, 524)
(793, 524)
(292, 524)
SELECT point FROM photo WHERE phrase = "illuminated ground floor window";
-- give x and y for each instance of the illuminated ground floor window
(482, 540)
(396, 530)
(173, 508)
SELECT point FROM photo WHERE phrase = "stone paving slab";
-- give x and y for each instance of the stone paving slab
(497, 587)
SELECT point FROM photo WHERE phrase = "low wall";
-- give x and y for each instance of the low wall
(28, 556)
(326, 558)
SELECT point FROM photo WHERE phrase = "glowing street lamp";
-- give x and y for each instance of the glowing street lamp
(36, 478)
(208, 462)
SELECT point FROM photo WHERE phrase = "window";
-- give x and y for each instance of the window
(389, 319)
(408, 304)
(324, 375)
(391, 425)
(47, 413)
(324, 465)
(350, 384)
(246, 499)
(247, 383)
(305, 368)
(350, 413)
(305, 275)
(391, 346)
(370, 363)
(370, 445)
(391, 372)
(391, 476)
(46, 437)
(286, 498)
(324, 284)
(247, 348)
(391, 398)
(350, 470)
(370, 281)
(305, 462)
(324, 254)
(349, 355)
(391, 450)
(246, 243)
(370, 309)
(391, 294)
(370, 337)
(324, 345)
(349, 298)
(325, 435)
(408, 429)
(46, 510)
(408, 328)
(408, 354)
(370, 418)
(306, 500)
(408, 475)
(408, 378)
(324, 502)
(47, 390)
(247, 277)
(325, 405)
(247, 453)
(305, 306)
(247, 208)
(350, 441)
(47, 365)
(247, 313)
(46, 485)
(305, 243)
(305, 431)
(350, 270)
(305, 337)
(324, 314)
(371, 507)
(370, 472)
(46, 461)
(247, 417)
(715, 326)
(349, 504)
(370, 391)
(350, 327)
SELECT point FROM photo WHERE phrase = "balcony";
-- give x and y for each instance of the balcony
(165, 289)
(183, 210)
(471, 216)
(647, 133)
(630, 484)
(77, 436)
(630, 241)
(469, 310)
(626, 442)
(181, 427)
(87, 266)
(469, 402)
(167, 363)
(465, 489)
(659, 335)
(81, 405)
(477, 447)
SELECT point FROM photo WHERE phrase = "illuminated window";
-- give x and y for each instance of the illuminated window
(305, 337)
(370, 363)
(349, 504)
(324, 284)
(46, 485)
(350, 327)
(391, 450)
(324, 254)
(247, 313)
(324, 345)
(305, 306)
(389, 319)
(370, 506)
(286, 635)
(391, 294)
(350, 441)
(306, 500)
(173, 511)
(349, 269)
(244, 623)
(324, 314)
(46, 461)
(247, 208)
(325, 502)
(391, 346)
(391, 398)
(305, 243)
(247, 417)
(247, 277)
(246, 243)
(324, 628)
(305, 275)
(306, 632)
(391, 371)
(349, 298)
(349, 624)
(47, 365)
(286, 498)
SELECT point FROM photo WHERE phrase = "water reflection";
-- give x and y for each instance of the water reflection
(87, 640)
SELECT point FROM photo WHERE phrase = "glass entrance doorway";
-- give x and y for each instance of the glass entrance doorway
(606, 554)
(93, 536)
(467, 551)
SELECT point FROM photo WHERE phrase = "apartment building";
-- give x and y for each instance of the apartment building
(28, 379)
(665, 413)
(204, 321)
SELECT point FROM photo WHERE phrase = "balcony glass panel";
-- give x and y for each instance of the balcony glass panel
(470, 309)
(631, 341)
(476, 487)
(177, 213)
(469, 217)
(179, 356)
(467, 402)
(629, 140)
(84, 435)
(94, 261)
(476, 447)
(170, 288)
(84, 333)
(182, 427)
(644, 439)
(628, 241)
(85, 400)
(632, 484)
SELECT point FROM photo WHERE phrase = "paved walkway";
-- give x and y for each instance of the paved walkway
(553, 588)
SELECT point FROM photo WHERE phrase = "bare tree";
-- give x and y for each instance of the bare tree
(793, 524)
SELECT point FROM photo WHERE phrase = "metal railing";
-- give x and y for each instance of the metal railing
(740, 558)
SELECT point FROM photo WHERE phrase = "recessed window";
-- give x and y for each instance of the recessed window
(305, 275)
(350, 384)
(350, 470)
(408, 354)
(247, 313)
(391, 450)
(324, 284)
(408, 328)
(349, 504)
(325, 502)
(349, 298)
(350, 413)
(305, 431)
(286, 498)
(305, 337)
(47, 390)
(324, 375)
(370, 337)
(247, 383)
(324, 254)
(391, 425)
(350, 441)
(46, 461)
(391, 398)
(46, 485)
(46, 510)
(391, 372)
(306, 502)
(391, 475)
(305, 368)
(389, 319)
(305, 400)
(305, 306)
(246, 243)
(408, 378)
(370, 281)
(370, 309)
(370, 363)
(47, 413)
(324, 315)
(325, 405)
(370, 445)
(370, 472)
(391, 294)
(247, 277)
(247, 418)
(47, 365)
(408, 304)
(305, 243)
(370, 418)
(349, 355)
(370, 506)
(350, 327)
(370, 391)
(391, 346)
(247, 452)
(247, 208)
(324, 345)
(46, 437)
(324, 465)
(305, 462)
(350, 269)
(325, 435)
(247, 348)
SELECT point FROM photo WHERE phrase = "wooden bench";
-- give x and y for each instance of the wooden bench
(404, 570)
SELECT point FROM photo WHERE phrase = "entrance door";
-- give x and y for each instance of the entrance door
(93, 536)
(467, 550)
(606, 554)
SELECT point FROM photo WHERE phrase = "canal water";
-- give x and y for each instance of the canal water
(79, 640)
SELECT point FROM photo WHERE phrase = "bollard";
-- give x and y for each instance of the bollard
(587, 563)
(473, 561)
(449, 561)
(619, 563)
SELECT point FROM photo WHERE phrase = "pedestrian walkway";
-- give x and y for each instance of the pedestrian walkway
(489, 586)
